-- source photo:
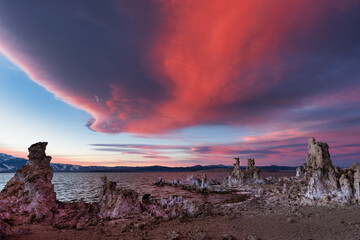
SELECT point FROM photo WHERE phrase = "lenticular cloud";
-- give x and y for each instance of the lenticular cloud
(155, 66)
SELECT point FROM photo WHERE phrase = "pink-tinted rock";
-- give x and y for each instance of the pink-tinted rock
(5, 229)
(30, 192)
(116, 203)
(29, 196)
(176, 206)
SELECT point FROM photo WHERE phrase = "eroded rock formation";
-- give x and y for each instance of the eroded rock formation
(176, 206)
(251, 171)
(30, 192)
(238, 177)
(193, 184)
(116, 203)
(326, 183)
(29, 197)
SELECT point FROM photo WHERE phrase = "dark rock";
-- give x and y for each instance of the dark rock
(37, 156)
(228, 237)
(146, 196)
(5, 229)
(214, 182)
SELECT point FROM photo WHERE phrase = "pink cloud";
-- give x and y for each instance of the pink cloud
(182, 64)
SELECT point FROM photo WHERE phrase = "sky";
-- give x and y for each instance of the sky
(180, 83)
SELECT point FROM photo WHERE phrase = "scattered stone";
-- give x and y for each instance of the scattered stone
(159, 182)
(174, 235)
(290, 220)
(146, 196)
(200, 235)
(251, 237)
(228, 237)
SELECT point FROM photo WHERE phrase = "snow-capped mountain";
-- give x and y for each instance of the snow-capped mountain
(10, 163)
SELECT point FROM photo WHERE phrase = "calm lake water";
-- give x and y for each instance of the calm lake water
(74, 186)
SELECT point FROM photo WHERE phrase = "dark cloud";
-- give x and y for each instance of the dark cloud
(149, 67)
(156, 66)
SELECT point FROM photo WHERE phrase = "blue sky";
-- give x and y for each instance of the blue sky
(198, 82)
(33, 114)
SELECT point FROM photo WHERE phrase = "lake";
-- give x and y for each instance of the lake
(72, 186)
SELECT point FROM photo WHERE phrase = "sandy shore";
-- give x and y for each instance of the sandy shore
(252, 222)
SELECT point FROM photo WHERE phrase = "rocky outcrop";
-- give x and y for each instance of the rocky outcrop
(251, 171)
(193, 184)
(239, 177)
(176, 206)
(30, 193)
(29, 197)
(326, 183)
(116, 203)
(356, 180)
(160, 182)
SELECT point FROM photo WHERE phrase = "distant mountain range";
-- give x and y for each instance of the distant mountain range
(10, 163)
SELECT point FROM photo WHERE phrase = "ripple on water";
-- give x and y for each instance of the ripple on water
(70, 186)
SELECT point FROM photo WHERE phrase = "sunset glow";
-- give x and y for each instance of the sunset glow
(180, 83)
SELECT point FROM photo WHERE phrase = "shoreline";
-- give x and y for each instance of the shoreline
(320, 202)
